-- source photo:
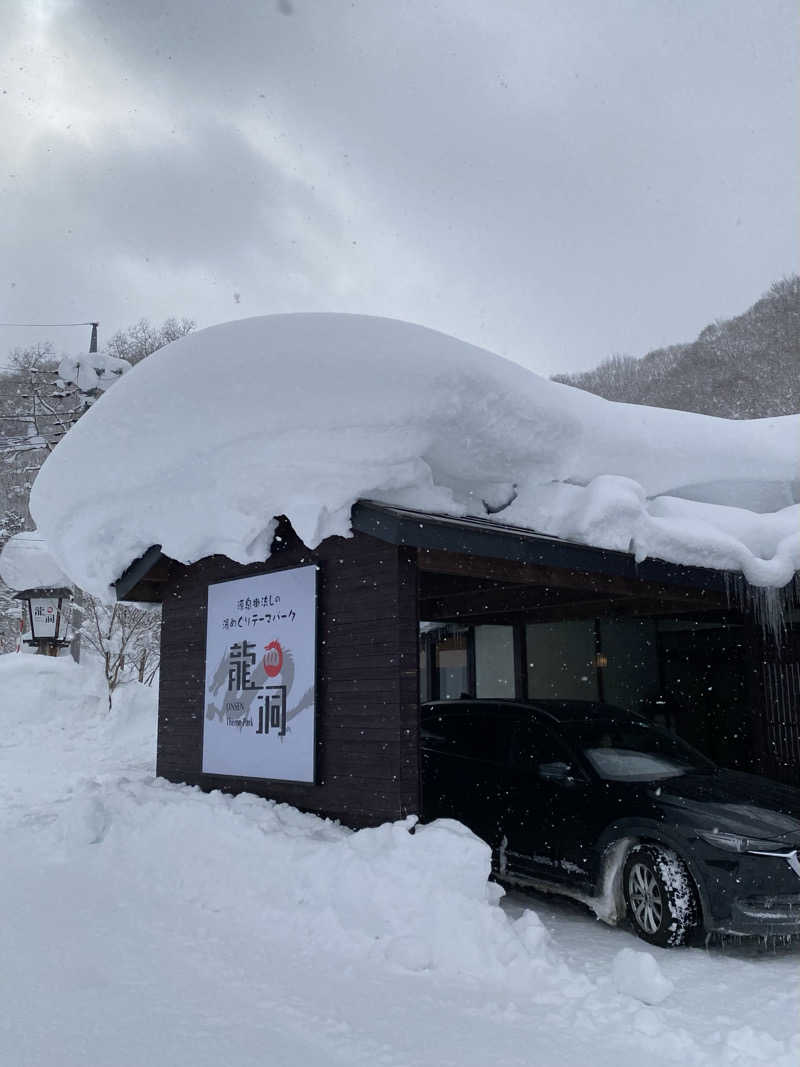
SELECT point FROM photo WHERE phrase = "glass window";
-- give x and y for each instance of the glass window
(561, 660)
(452, 662)
(424, 668)
(494, 662)
(630, 663)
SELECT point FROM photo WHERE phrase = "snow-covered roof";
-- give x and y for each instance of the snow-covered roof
(26, 563)
(92, 372)
(203, 443)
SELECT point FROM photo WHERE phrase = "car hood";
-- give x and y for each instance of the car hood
(733, 802)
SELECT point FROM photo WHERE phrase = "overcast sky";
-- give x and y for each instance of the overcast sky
(556, 180)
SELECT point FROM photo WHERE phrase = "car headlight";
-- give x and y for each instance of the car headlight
(735, 843)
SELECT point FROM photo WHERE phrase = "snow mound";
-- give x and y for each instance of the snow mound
(637, 974)
(413, 897)
(199, 446)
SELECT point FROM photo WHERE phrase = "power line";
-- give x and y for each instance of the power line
(48, 325)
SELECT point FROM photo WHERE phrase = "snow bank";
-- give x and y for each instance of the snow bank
(201, 444)
(419, 901)
(410, 897)
(56, 727)
(47, 691)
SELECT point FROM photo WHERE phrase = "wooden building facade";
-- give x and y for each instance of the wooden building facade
(416, 606)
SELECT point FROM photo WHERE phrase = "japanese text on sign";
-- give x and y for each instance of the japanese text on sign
(260, 676)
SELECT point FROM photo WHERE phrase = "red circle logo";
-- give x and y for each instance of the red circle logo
(273, 659)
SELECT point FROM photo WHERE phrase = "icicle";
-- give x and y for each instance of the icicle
(770, 606)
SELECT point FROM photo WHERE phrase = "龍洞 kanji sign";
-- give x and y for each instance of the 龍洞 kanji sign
(261, 642)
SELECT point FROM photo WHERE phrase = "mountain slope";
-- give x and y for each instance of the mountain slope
(742, 368)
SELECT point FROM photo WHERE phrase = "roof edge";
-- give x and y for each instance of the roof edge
(486, 537)
(138, 570)
(62, 591)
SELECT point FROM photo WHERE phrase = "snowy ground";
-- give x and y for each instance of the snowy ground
(146, 923)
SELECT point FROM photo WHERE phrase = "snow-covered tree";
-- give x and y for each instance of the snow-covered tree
(126, 637)
(40, 399)
(36, 410)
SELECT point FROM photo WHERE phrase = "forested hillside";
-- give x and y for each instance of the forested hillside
(742, 368)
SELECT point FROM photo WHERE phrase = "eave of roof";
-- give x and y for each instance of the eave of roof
(44, 591)
(138, 572)
(487, 537)
(469, 535)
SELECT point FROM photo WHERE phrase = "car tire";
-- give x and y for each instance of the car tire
(660, 896)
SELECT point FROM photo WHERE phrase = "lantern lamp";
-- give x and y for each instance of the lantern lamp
(49, 612)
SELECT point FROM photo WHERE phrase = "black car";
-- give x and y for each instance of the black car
(596, 803)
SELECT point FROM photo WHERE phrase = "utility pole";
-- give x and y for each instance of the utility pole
(77, 605)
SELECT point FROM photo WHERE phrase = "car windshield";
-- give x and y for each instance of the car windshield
(635, 752)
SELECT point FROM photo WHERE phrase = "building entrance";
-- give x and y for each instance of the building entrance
(684, 673)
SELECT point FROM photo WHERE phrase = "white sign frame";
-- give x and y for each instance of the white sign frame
(260, 686)
(47, 619)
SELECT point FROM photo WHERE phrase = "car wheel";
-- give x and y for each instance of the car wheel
(660, 895)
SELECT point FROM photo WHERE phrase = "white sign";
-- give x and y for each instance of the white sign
(261, 661)
(45, 617)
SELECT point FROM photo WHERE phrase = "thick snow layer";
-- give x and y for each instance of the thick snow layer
(26, 563)
(56, 729)
(201, 444)
(146, 922)
(417, 897)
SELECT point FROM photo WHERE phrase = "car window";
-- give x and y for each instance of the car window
(636, 752)
(533, 746)
(472, 735)
(619, 764)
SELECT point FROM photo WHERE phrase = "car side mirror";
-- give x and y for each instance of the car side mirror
(559, 771)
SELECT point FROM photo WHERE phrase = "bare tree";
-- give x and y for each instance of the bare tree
(126, 638)
(143, 338)
(37, 408)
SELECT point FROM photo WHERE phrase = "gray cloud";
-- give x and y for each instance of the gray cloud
(203, 202)
(555, 181)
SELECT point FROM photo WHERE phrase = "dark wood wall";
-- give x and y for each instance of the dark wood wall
(776, 674)
(367, 679)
